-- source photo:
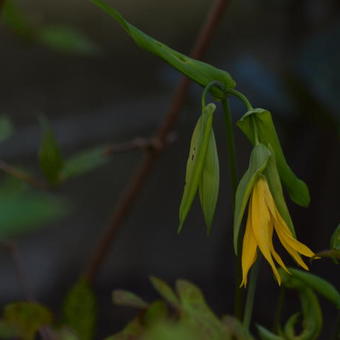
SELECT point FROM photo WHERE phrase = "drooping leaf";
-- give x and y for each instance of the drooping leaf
(198, 71)
(258, 161)
(80, 310)
(6, 128)
(297, 189)
(319, 284)
(165, 291)
(50, 158)
(210, 182)
(195, 163)
(27, 318)
(272, 176)
(335, 239)
(66, 40)
(266, 334)
(83, 162)
(126, 298)
(23, 210)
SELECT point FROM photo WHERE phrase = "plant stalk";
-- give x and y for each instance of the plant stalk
(248, 311)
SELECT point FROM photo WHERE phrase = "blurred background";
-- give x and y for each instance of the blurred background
(72, 63)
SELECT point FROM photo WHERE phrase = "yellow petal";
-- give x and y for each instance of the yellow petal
(262, 225)
(248, 249)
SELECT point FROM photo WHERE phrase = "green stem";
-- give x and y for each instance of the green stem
(242, 97)
(230, 148)
(248, 312)
(239, 295)
(207, 90)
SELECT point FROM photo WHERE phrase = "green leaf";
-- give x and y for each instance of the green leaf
(196, 313)
(80, 310)
(335, 239)
(210, 182)
(6, 128)
(195, 163)
(14, 18)
(273, 178)
(66, 40)
(84, 162)
(126, 298)
(165, 291)
(266, 334)
(258, 161)
(23, 210)
(157, 312)
(198, 71)
(320, 285)
(297, 189)
(132, 331)
(51, 161)
(27, 318)
(312, 318)
(8, 331)
(236, 328)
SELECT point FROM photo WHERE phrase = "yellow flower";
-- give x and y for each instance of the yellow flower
(263, 219)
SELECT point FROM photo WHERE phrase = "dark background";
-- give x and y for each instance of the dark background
(285, 57)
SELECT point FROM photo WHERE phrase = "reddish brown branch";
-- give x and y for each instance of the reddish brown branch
(10, 170)
(129, 196)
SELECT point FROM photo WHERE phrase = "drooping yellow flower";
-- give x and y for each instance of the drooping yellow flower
(263, 219)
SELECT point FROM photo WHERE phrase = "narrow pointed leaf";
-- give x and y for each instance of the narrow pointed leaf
(258, 161)
(272, 176)
(84, 162)
(51, 161)
(126, 298)
(319, 284)
(165, 291)
(195, 163)
(297, 189)
(210, 182)
(198, 71)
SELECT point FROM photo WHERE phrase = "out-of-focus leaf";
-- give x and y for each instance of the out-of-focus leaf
(210, 182)
(196, 313)
(198, 71)
(195, 163)
(156, 313)
(258, 160)
(24, 210)
(172, 331)
(319, 284)
(7, 331)
(273, 178)
(165, 291)
(66, 40)
(16, 19)
(335, 239)
(126, 298)
(132, 331)
(6, 128)
(80, 310)
(297, 189)
(266, 334)
(236, 329)
(27, 318)
(51, 161)
(84, 162)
